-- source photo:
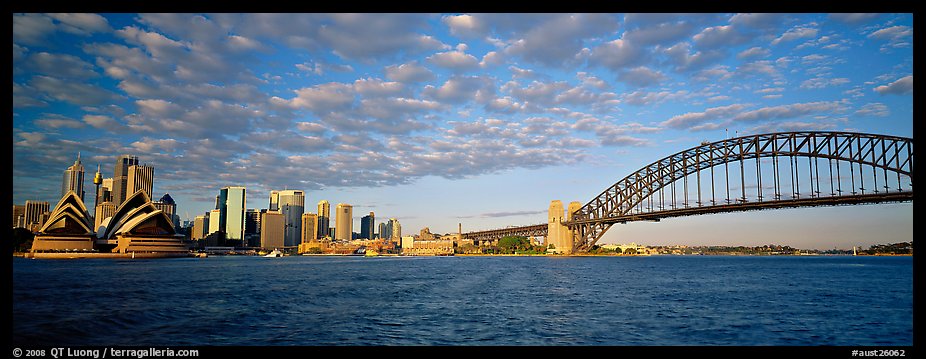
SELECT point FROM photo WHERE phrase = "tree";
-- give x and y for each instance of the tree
(22, 240)
(512, 244)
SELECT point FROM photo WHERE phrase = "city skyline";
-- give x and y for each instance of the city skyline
(441, 119)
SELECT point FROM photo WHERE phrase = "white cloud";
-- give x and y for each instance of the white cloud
(787, 111)
(797, 32)
(641, 77)
(408, 73)
(695, 118)
(455, 60)
(875, 109)
(902, 86)
(753, 52)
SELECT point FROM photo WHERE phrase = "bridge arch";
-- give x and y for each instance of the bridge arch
(641, 195)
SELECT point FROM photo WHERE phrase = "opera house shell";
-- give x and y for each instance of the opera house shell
(136, 229)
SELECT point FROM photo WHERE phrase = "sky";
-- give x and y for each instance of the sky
(445, 119)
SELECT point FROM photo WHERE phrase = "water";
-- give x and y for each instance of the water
(465, 301)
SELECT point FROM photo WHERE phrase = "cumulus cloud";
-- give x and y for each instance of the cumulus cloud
(875, 109)
(902, 86)
(797, 32)
(641, 77)
(787, 111)
(753, 52)
(691, 119)
(455, 60)
(409, 72)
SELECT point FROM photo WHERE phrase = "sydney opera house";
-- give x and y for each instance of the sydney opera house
(136, 230)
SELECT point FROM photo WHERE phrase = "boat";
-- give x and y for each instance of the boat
(275, 253)
(371, 253)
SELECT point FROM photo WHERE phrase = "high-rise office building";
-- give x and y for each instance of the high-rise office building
(120, 178)
(309, 222)
(167, 205)
(139, 178)
(382, 231)
(324, 218)
(344, 222)
(34, 214)
(395, 229)
(292, 205)
(103, 211)
(74, 179)
(19, 215)
(367, 226)
(214, 216)
(274, 201)
(199, 228)
(252, 221)
(271, 230)
(232, 204)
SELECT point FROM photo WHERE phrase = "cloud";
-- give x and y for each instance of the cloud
(31, 29)
(787, 111)
(797, 32)
(61, 66)
(641, 77)
(719, 36)
(902, 86)
(458, 89)
(691, 119)
(875, 109)
(616, 55)
(455, 60)
(409, 73)
(72, 92)
(753, 52)
(55, 123)
(556, 41)
(819, 82)
(853, 18)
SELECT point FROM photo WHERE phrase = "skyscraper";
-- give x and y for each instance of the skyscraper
(167, 205)
(120, 178)
(367, 226)
(214, 216)
(395, 229)
(344, 226)
(309, 222)
(292, 206)
(271, 230)
(139, 177)
(74, 179)
(382, 231)
(274, 201)
(232, 205)
(324, 216)
(34, 213)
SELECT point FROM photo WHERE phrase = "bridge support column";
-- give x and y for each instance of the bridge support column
(558, 234)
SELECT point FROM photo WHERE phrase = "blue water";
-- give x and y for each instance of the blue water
(462, 301)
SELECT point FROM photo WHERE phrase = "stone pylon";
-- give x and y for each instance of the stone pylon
(558, 234)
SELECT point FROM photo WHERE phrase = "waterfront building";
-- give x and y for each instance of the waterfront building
(73, 179)
(395, 229)
(68, 228)
(214, 216)
(35, 214)
(366, 226)
(231, 206)
(309, 224)
(140, 178)
(343, 226)
(324, 218)
(19, 215)
(271, 230)
(430, 246)
(291, 204)
(382, 231)
(138, 227)
(169, 207)
(103, 211)
(199, 228)
(120, 177)
(252, 226)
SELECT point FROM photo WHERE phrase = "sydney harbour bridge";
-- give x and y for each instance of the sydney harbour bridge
(754, 172)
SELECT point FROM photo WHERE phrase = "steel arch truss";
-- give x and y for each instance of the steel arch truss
(885, 162)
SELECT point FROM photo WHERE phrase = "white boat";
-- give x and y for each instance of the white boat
(275, 253)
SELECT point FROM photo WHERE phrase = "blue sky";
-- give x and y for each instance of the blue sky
(439, 119)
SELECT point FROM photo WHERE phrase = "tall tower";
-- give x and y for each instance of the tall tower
(232, 205)
(367, 226)
(309, 222)
(324, 217)
(344, 224)
(74, 179)
(97, 180)
(120, 178)
(395, 229)
(139, 177)
(292, 206)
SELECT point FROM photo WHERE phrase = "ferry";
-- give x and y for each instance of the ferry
(370, 253)
(275, 253)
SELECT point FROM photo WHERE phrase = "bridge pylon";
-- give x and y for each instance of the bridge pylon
(559, 235)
